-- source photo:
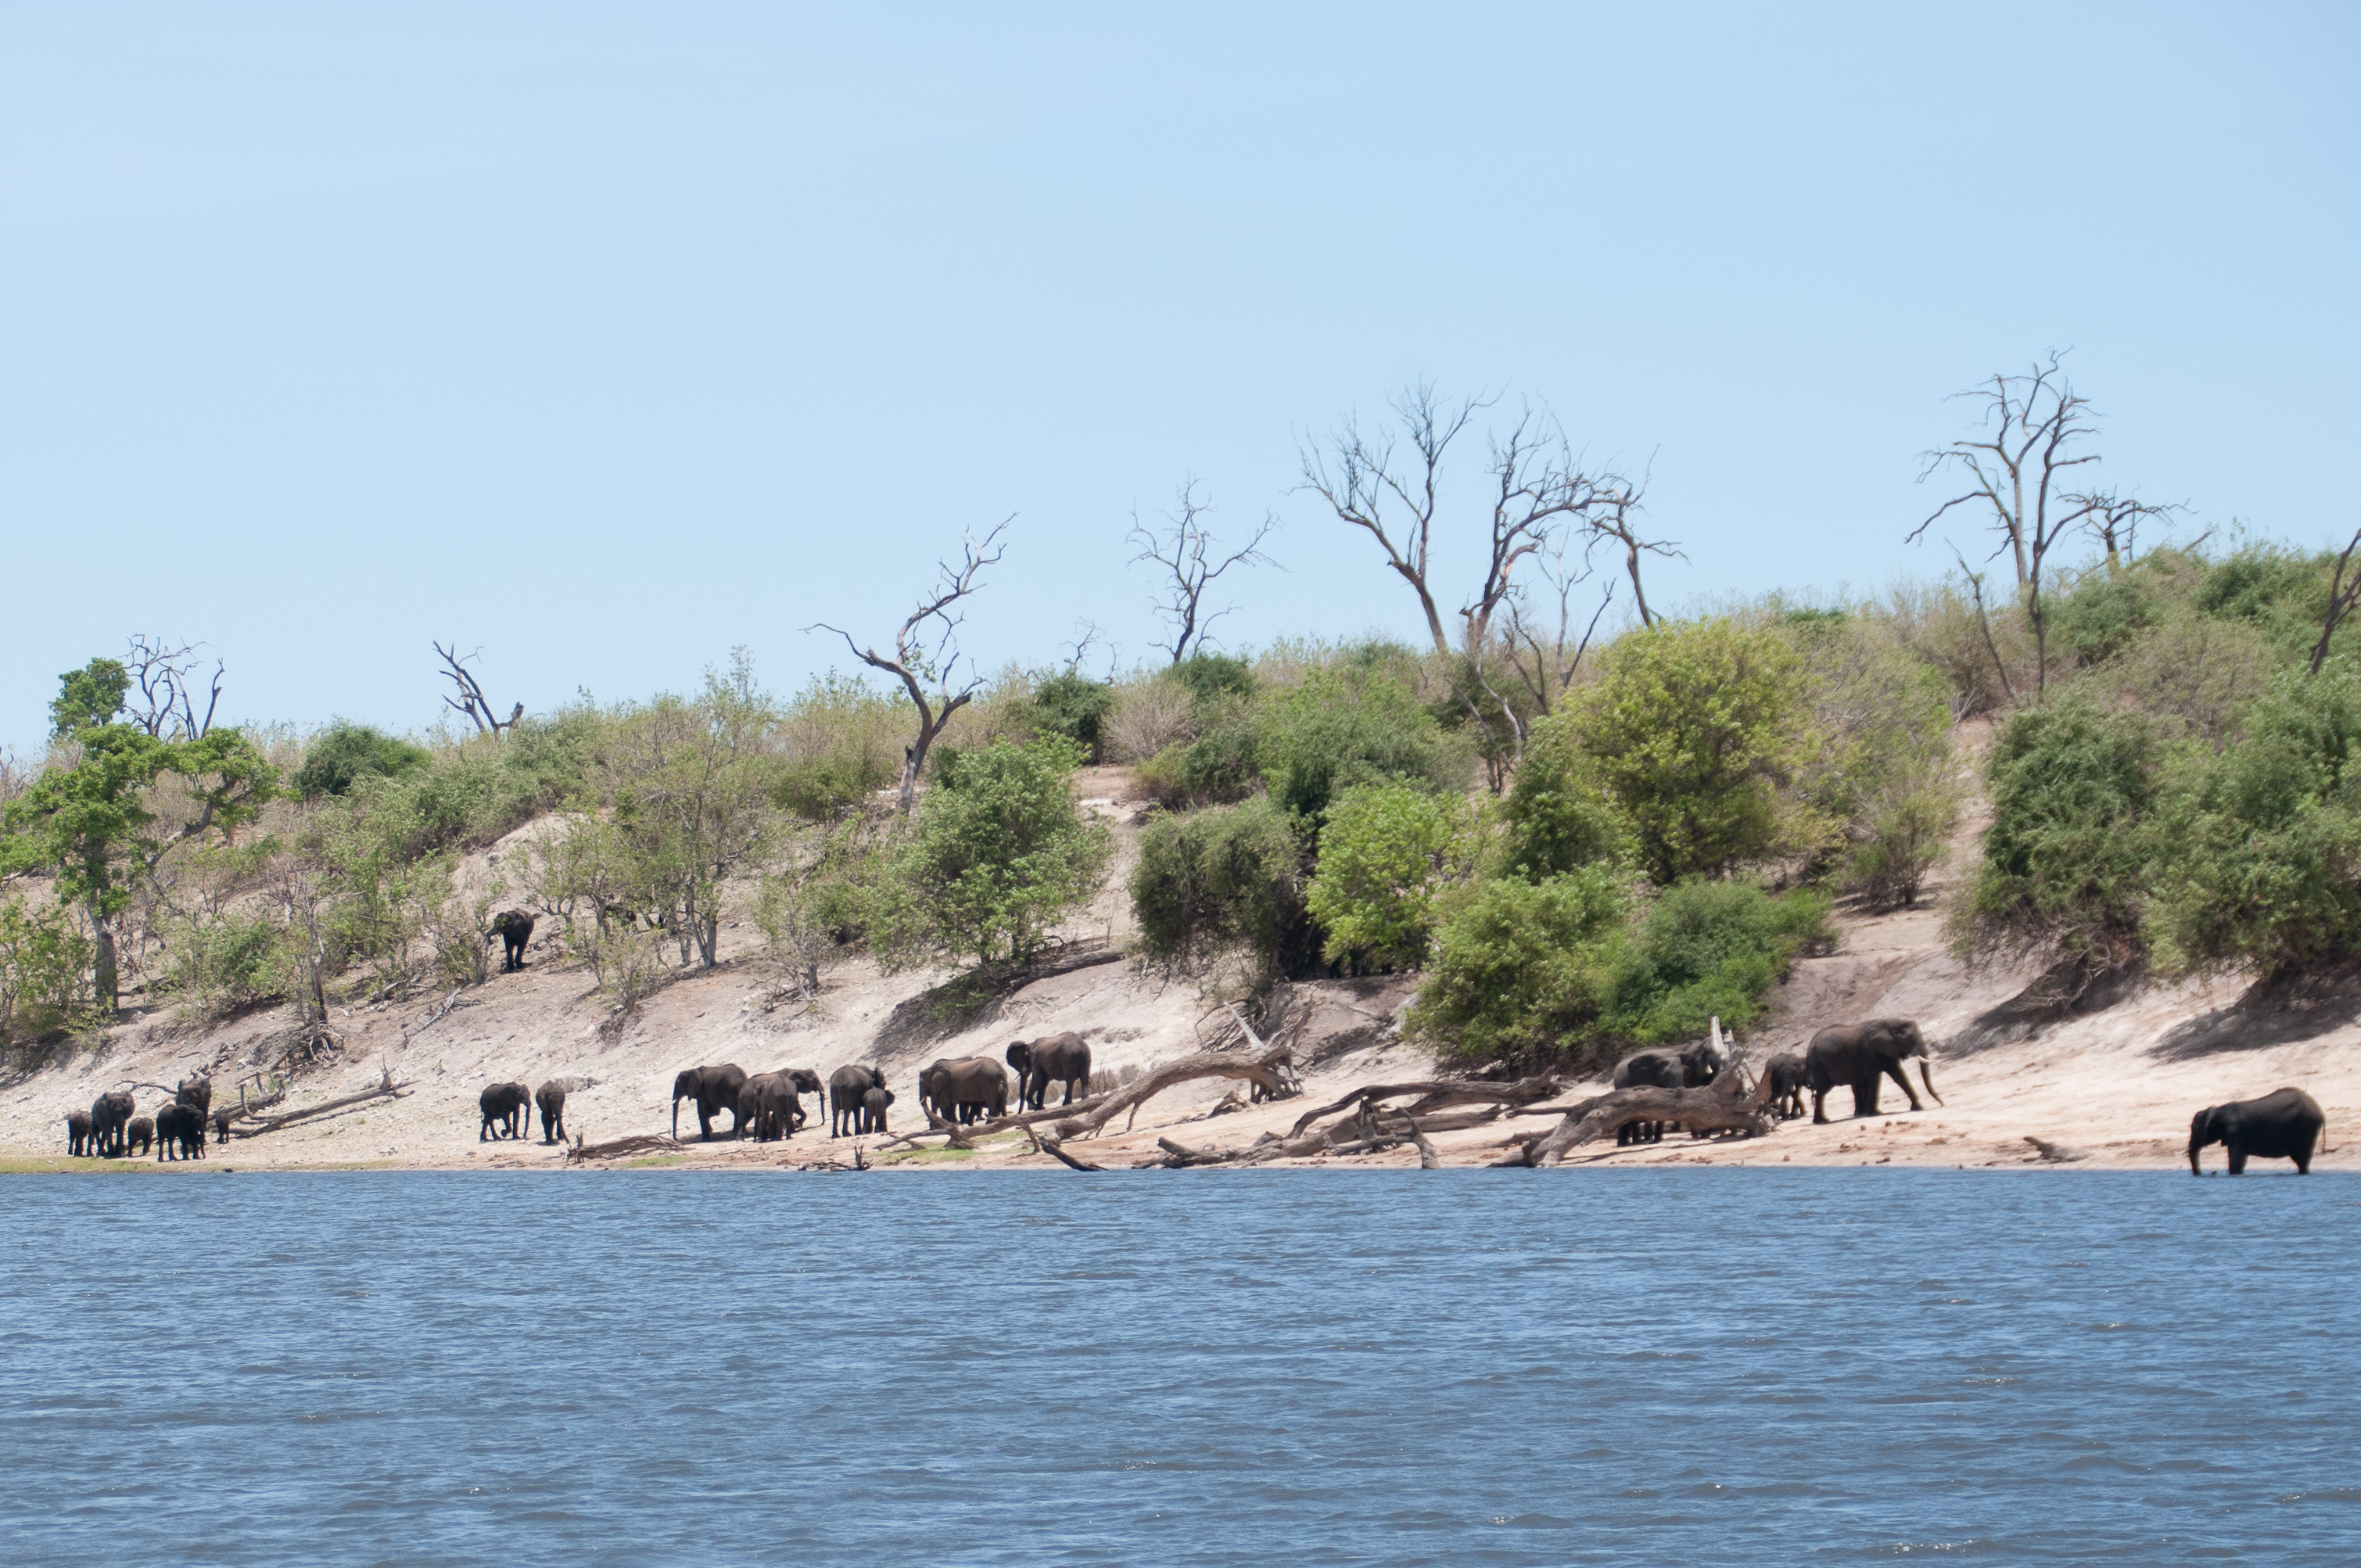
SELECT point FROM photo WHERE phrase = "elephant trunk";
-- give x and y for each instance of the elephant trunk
(1926, 1077)
(676, 1118)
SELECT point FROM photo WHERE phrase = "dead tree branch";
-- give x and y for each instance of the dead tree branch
(1728, 1104)
(926, 654)
(2342, 594)
(471, 701)
(1184, 547)
(165, 675)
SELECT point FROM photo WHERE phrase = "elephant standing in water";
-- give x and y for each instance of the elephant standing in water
(1056, 1058)
(715, 1089)
(1863, 1055)
(2286, 1124)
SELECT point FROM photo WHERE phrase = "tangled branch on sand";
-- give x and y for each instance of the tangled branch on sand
(1728, 1104)
(622, 1148)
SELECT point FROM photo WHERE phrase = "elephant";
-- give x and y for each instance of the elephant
(807, 1081)
(514, 930)
(963, 1087)
(139, 1135)
(2284, 1124)
(505, 1107)
(1057, 1058)
(78, 1140)
(108, 1113)
(872, 1109)
(179, 1133)
(767, 1104)
(1665, 1066)
(550, 1098)
(195, 1092)
(222, 1119)
(848, 1088)
(1786, 1072)
(715, 1089)
(1861, 1055)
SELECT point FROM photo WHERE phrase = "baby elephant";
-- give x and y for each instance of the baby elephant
(139, 1135)
(505, 1113)
(872, 1109)
(1786, 1072)
(2284, 1125)
(78, 1140)
(550, 1098)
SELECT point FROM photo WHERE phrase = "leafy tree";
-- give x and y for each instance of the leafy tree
(345, 751)
(101, 825)
(1072, 704)
(1389, 854)
(2267, 864)
(1879, 790)
(998, 855)
(1559, 820)
(88, 697)
(1706, 950)
(2073, 791)
(1692, 730)
(1224, 878)
(1341, 727)
(1518, 968)
(45, 965)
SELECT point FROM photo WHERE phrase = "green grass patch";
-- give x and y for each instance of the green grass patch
(649, 1162)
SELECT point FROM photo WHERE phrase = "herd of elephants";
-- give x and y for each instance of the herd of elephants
(2284, 1125)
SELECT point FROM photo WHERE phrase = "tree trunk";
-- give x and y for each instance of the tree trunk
(104, 984)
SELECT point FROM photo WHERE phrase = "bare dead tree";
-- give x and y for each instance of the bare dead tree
(1536, 643)
(1388, 483)
(2114, 521)
(1984, 620)
(926, 651)
(2035, 428)
(165, 675)
(2344, 592)
(1185, 548)
(471, 699)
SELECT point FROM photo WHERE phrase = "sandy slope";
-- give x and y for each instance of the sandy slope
(2096, 1084)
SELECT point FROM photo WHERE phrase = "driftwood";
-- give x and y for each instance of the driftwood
(619, 1148)
(1427, 1158)
(1434, 1094)
(1272, 1071)
(1055, 1150)
(2056, 1153)
(1728, 1104)
(247, 1124)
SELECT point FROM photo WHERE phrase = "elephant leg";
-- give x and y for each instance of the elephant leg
(1864, 1096)
(2237, 1159)
(1894, 1071)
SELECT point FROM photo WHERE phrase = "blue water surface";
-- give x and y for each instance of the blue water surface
(1654, 1367)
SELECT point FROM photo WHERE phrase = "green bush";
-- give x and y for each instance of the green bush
(1222, 879)
(345, 751)
(1388, 854)
(45, 969)
(1517, 968)
(1692, 730)
(1070, 703)
(1559, 820)
(1341, 727)
(2266, 869)
(2103, 614)
(227, 962)
(997, 855)
(1211, 677)
(823, 787)
(1706, 950)
(2073, 789)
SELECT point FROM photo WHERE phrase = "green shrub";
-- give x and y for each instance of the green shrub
(1211, 677)
(1692, 730)
(1340, 727)
(2073, 788)
(2103, 614)
(1706, 950)
(2266, 869)
(1222, 879)
(1388, 854)
(227, 962)
(1517, 967)
(345, 751)
(1559, 820)
(823, 787)
(997, 855)
(1070, 703)
(45, 969)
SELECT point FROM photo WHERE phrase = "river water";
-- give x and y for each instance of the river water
(1657, 1367)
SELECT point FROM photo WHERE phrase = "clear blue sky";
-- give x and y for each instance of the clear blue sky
(606, 337)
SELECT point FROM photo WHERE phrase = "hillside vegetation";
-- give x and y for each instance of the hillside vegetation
(1577, 840)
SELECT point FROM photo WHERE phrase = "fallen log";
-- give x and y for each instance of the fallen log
(1728, 1104)
(620, 1148)
(2056, 1153)
(1267, 1071)
(1056, 1151)
(245, 1125)
(1182, 1156)
(1439, 1093)
(1427, 1158)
